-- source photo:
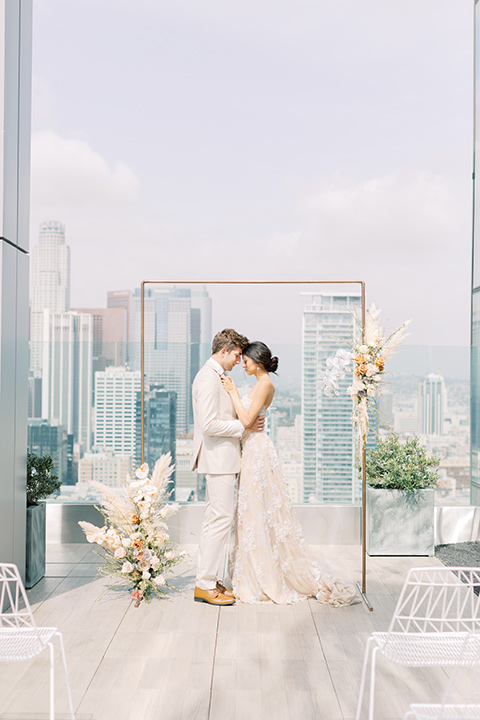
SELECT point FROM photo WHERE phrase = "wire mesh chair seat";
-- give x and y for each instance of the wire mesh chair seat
(437, 711)
(438, 608)
(469, 706)
(427, 649)
(19, 644)
(20, 638)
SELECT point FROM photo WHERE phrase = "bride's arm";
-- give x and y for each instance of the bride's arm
(258, 401)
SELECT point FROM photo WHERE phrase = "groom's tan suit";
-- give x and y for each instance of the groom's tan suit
(216, 452)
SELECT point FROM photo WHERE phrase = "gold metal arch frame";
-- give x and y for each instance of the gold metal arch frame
(362, 588)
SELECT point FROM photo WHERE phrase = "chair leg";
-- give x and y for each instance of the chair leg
(372, 684)
(67, 679)
(52, 681)
(364, 675)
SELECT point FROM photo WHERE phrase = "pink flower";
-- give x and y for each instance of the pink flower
(137, 596)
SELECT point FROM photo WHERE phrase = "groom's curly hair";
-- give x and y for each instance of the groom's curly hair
(228, 339)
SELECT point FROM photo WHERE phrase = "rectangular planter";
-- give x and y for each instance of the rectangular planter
(400, 523)
(36, 544)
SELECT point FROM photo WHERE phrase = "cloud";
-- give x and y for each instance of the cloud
(67, 174)
(406, 217)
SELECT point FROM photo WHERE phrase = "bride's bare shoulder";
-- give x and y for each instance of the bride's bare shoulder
(266, 387)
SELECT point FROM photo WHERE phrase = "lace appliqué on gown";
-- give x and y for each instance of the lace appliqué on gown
(270, 560)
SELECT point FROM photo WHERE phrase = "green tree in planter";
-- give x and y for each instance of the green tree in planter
(41, 480)
(394, 465)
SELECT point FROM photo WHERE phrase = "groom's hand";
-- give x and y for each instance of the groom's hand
(257, 425)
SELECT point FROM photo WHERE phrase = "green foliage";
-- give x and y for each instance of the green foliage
(393, 465)
(41, 480)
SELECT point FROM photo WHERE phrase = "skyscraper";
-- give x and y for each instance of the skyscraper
(432, 402)
(109, 336)
(167, 338)
(115, 398)
(201, 300)
(329, 468)
(49, 439)
(50, 283)
(160, 407)
(67, 373)
(122, 299)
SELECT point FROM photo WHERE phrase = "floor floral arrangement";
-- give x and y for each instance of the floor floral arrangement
(137, 548)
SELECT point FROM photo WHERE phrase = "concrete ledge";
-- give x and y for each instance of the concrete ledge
(322, 524)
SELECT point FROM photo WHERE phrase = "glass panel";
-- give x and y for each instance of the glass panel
(85, 404)
(476, 239)
(475, 398)
(429, 396)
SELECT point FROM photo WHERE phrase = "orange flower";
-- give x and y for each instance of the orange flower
(380, 363)
(360, 359)
(357, 372)
(137, 544)
(363, 369)
(134, 519)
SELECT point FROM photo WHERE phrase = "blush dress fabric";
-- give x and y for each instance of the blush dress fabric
(270, 560)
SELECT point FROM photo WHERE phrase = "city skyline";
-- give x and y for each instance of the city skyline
(88, 383)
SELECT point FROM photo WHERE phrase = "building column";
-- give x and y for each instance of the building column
(15, 113)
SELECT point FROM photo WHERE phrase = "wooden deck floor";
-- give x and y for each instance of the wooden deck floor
(180, 660)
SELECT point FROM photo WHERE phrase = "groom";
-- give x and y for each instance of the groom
(216, 452)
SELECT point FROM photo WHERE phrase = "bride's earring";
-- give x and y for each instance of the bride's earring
(258, 368)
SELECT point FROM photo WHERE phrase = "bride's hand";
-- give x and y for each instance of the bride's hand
(228, 384)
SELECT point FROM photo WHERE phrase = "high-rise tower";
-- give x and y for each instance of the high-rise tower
(432, 397)
(329, 474)
(50, 283)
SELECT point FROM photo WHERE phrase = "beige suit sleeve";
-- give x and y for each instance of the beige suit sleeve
(207, 406)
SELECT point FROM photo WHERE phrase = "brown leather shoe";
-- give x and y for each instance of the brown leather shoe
(212, 597)
(222, 589)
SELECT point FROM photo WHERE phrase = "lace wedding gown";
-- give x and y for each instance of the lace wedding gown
(271, 560)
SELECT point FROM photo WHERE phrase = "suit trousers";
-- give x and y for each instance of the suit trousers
(217, 523)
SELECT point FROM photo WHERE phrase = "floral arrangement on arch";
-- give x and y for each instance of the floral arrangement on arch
(138, 549)
(368, 355)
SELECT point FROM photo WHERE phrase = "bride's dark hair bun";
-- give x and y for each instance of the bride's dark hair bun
(261, 355)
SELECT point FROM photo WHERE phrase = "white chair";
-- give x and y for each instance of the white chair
(437, 609)
(20, 638)
(468, 709)
(445, 711)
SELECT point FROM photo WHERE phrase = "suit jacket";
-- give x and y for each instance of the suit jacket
(217, 431)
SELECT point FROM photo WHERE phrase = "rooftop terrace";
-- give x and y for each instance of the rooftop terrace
(180, 660)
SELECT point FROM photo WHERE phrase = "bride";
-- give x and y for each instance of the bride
(271, 560)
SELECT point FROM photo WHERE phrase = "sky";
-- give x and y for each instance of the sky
(261, 140)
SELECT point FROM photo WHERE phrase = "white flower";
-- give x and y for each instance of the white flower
(96, 536)
(358, 384)
(371, 370)
(142, 472)
(161, 537)
(169, 510)
(143, 564)
(120, 552)
(145, 575)
(112, 539)
(159, 580)
(169, 555)
(363, 349)
(126, 542)
(155, 562)
(127, 567)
